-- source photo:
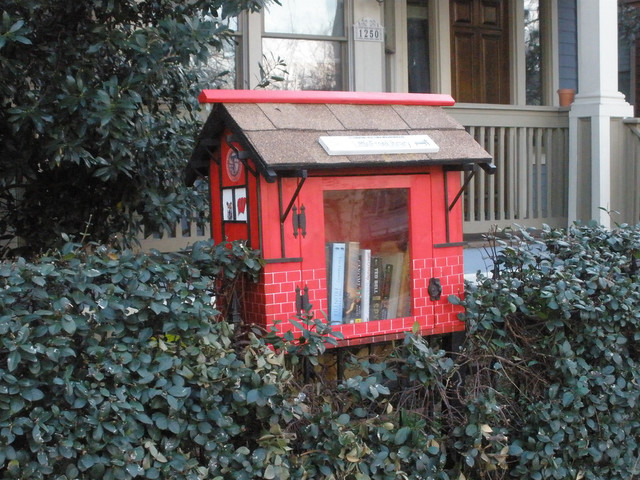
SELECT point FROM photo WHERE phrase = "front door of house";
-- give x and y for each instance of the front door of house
(480, 51)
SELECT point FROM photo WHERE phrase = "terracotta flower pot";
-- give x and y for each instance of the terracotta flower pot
(566, 95)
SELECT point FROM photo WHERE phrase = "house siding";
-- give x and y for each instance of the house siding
(568, 46)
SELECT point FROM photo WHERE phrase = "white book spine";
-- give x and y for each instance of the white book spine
(365, 293)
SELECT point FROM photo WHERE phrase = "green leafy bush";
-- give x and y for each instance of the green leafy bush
(114, 365)
(98, 112)
(554, 355)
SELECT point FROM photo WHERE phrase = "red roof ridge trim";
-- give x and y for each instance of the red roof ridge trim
(320, 96)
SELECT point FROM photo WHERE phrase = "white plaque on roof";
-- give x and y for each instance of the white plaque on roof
(378, 144)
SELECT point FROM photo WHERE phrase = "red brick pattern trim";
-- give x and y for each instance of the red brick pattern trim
(273, 299)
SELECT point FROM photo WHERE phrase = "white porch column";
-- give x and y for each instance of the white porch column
(368, 56)
(597, 104)
(251, 50)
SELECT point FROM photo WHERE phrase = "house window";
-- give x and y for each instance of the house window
(310, 38)
(533, 52)
(418, 46)
(221, 70)
(367, 254)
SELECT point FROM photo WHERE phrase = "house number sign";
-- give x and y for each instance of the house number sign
(368, 30)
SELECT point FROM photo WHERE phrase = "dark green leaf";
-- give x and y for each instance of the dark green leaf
(343, 419)
(402, 435)
(13, 360)
(253, 395)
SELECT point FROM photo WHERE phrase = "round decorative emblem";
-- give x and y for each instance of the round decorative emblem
(234, 166)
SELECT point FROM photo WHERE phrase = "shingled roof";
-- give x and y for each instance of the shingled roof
(281, 129)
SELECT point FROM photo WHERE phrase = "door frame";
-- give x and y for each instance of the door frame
(440, 49)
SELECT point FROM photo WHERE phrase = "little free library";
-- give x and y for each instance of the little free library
(353, 198)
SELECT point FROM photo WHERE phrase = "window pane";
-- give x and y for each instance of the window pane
(367, 247)
(229, 22)
(533, 52)
(232, 23)
(220, 71)
(418, 47)
(624, 66)
(317, 17)
(311, 65)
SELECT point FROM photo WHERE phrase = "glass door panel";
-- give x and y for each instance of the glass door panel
(367, 254)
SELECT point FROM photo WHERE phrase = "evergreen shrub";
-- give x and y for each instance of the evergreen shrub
(119, 366)
(115, 365)
(553, 355)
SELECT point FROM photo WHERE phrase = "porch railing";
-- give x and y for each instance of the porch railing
(632, 168)
(184, 235)
(530, 148)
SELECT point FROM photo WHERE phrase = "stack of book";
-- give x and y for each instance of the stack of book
(362, 286)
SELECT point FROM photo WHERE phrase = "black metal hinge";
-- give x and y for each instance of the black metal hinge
(299, 220)
(302, 300)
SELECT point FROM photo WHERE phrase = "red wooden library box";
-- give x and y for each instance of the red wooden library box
(353, 199)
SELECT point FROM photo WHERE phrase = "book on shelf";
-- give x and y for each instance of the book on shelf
(404, 302)
(376, 288)
(328, 255)
(365, 288)
(337, 283)
(351, 282)
(393, 271)
(387, 272)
